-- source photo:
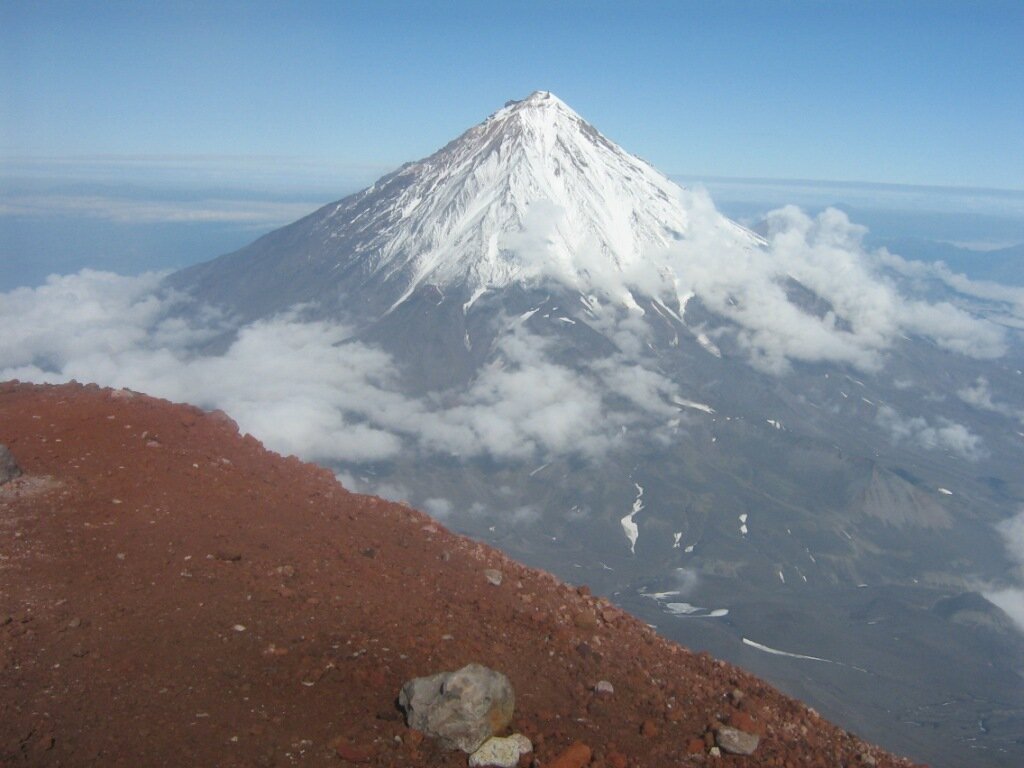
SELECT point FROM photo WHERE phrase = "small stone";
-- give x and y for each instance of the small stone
(575, 756)
(239, 628)
(715, 752)
(616, 760)
(648, 729)
(735, 741)
(604, 688)
(501, 752)
(866, 758)
(493, 576)
(75, 623)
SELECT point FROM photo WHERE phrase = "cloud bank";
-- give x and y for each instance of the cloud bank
(304, 386)
(867, 314)
(307, 387)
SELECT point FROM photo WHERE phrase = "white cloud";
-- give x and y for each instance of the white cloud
(1011, 598)
(745, 283)
(438, 507)
(943, 434)
(1011, 297)
(1011, 601)
(524, 515)
(1012, 531)
(979, 395)
(305, 387)
(685, 580)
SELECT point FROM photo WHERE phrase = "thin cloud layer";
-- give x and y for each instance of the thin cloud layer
(127, 210)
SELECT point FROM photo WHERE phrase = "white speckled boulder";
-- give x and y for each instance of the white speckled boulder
(462, 709)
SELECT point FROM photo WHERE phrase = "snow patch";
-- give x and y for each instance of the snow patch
(708, 345)
(630, 528)
(684, 403)
(684, 610)
(777, 652)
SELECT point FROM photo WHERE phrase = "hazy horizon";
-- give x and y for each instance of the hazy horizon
(132, 215)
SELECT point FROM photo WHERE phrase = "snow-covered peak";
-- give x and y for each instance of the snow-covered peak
(532, 192)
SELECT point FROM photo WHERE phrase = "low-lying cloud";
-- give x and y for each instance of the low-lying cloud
(305, 386)
(1011, 598)
(979, 395)
(941, 434)
(868, 314)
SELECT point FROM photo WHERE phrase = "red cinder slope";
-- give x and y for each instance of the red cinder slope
(171, 593)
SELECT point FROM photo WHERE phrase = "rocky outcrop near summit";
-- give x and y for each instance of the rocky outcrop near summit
(173, 594)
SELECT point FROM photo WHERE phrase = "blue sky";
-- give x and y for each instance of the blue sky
(903, 92)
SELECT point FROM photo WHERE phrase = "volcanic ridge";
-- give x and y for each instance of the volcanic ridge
(175, 594)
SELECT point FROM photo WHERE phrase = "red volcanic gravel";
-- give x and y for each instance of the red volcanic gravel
(171, 593)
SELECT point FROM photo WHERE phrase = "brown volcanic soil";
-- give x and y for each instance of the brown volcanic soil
(173, 594)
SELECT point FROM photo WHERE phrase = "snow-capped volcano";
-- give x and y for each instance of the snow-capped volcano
(534, 192)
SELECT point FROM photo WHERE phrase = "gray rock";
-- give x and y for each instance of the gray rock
(8, 468)
(736, 742)
(493, 576)
(501, 752)
(604, 688)
(462, 709)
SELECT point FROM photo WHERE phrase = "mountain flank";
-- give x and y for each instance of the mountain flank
(174, 594)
